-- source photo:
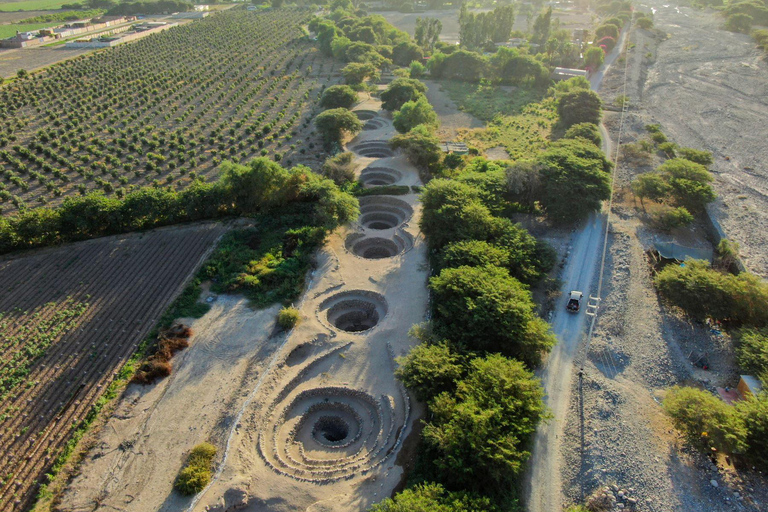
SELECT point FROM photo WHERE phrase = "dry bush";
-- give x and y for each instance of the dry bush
(600, 502)
(158, 364)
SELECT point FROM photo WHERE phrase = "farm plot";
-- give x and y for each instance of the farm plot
(71, 317)
(164, 110)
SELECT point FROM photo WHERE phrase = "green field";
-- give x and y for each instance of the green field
(7, 31)
(34, 5)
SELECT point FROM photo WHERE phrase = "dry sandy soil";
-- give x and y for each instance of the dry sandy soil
(307, 420)
(12, 60)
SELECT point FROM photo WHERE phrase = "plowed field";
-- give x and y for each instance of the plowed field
(71, 318)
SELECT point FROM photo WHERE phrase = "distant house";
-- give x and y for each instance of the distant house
(567, 73)
(749, 385)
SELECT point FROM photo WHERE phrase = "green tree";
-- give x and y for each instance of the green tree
(695, 155)
(651, 185)
(338, 96)
(690, 183)
(333, 123)
(430, 497)
(705, 418)
(739, 22)
(428, 370)
(355, 73)
(479, 434)
(420, 146)
(575, 178)
(752, 351)
(606, 30)
(415, 113)
(460, 65)
(484, 308)
(703, 292)
(594, 57)
(416, 70)
(579, 106)
(427, 32)
(400, 91)
(541, 27)
(588, 131)
(406, 52)
(672, 218)
(754, 412)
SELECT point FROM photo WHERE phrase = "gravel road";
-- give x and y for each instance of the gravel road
(543, 482)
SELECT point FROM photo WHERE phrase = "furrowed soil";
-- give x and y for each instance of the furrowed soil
(706, 87)
(123, 284)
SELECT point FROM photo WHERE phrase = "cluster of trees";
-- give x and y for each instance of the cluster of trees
(261, 186)
(405, 97)
(682, 183)
(737, 300)
(427, 32)
(478, 30)
(740, 16)
(367, 43)
(473, 367)
(740, 429)
(507, 65)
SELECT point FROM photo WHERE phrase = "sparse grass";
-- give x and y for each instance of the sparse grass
(486, 102)
(519, 119)
(196, 473)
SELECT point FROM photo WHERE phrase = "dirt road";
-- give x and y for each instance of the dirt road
(543, 485)
(543, 492)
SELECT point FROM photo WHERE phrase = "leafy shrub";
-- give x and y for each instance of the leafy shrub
(421, 147)
(636, 153)
(431, 497)
(428, 370)
(752, 351)
(355, 73)
(477, 437)
(196, 473)
(672, 218)
(401, 91)
(334, 123)
(739, 22)
(288, 318)
(338, 96)
(415, 113)
(669, 149)
(484, 308)
(416, 70)
(580, 106)
(690, 183)
(705, 418)
(645, 22)
(651, 185)
(704, 292)
(695, 155)
(340, 168)
(754, 412)
(588, 131)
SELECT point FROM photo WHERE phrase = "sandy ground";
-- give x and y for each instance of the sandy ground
(281, 456)
(308, 420)
(142, 447)
(12, 60)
